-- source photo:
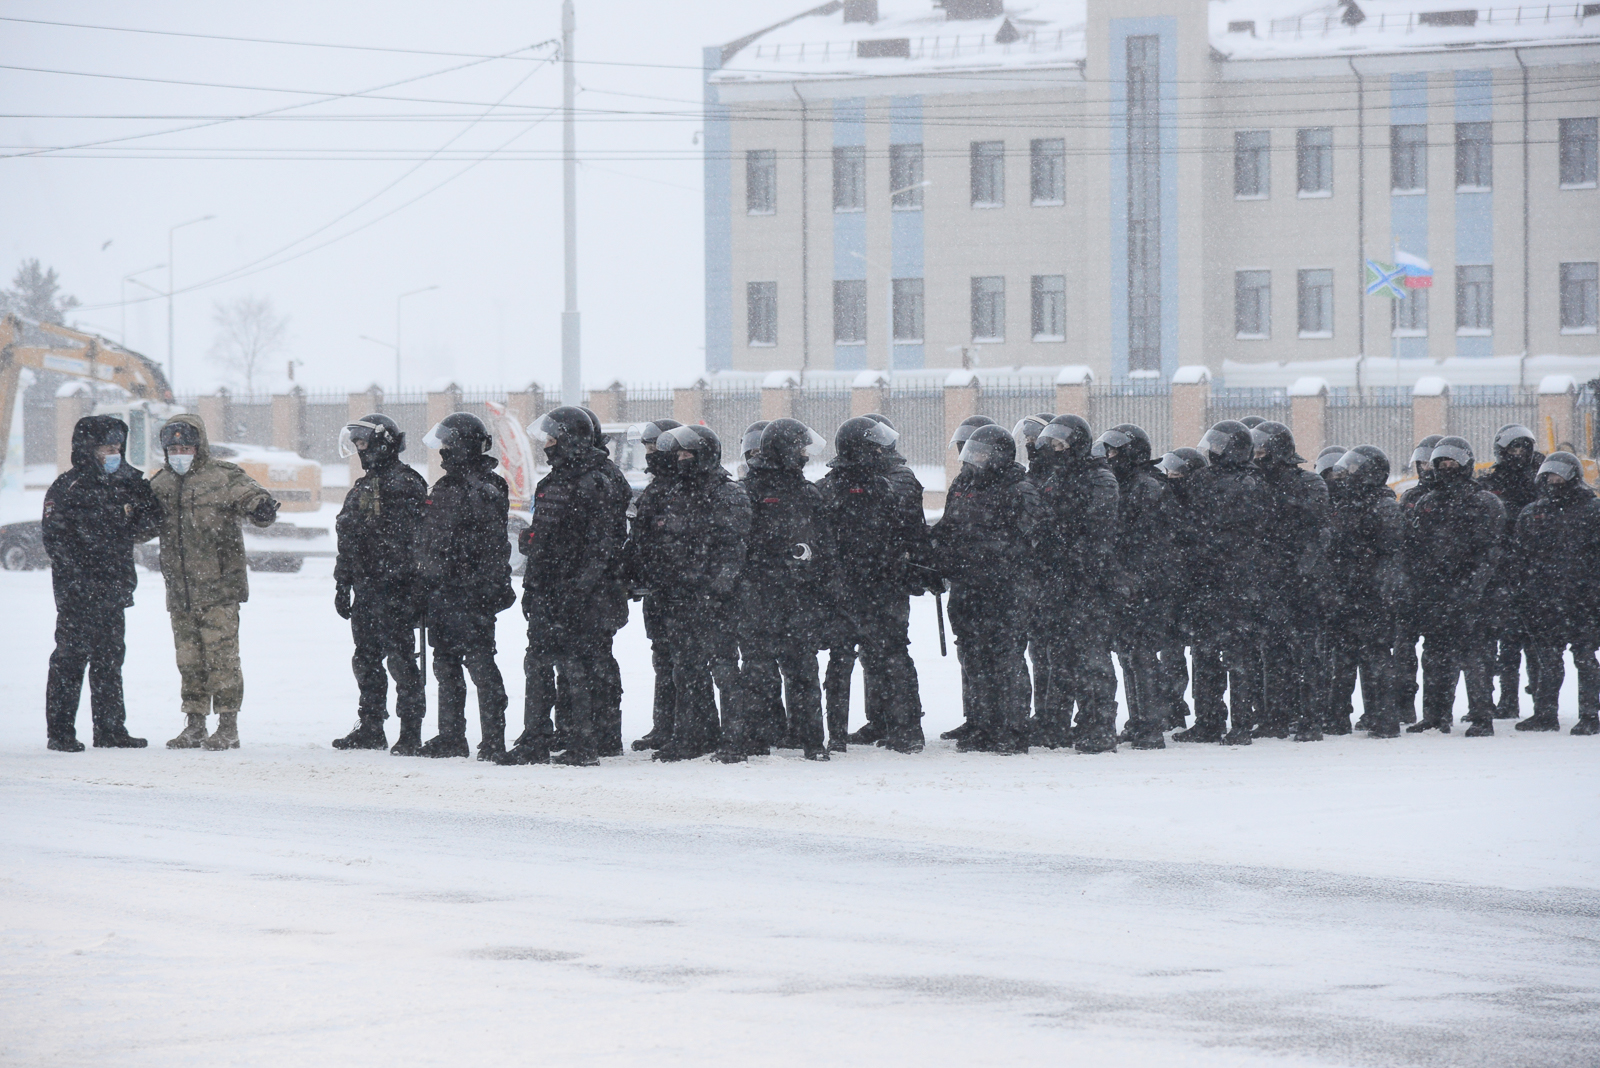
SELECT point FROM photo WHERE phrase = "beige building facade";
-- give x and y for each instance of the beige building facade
(1139, 185)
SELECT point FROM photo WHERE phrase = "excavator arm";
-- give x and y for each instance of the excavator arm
(92, 358)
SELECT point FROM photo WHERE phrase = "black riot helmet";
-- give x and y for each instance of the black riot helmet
(460, 432)
(701, 441)
(656, 462)
(989, 449)
(750, 443)
(562, 432)
(1274, 443)
(1561, 473)
(375, 439)
(1422, 458)
(1513, 445)
(1228, 444)
(790, 444)
(1182, 463)
(1458, 452)
(1365, 467)
(1026, 433)
(599, 440)
(1125, 445)
(1253, 421)
(877, 418)
(864, 439)
(1067, 438)
(965, 430)
(1329, 456)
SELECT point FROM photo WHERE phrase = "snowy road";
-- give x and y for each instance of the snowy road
(1429, 901)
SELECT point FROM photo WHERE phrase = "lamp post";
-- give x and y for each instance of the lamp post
(172, 376)
(888, 283)
(122, 334)
(571, 348)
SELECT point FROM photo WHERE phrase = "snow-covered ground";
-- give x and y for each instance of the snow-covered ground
(1431, 900)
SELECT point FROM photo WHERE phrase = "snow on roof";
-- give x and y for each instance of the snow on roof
(1283, 29)
(915, 37)
(1384, 371)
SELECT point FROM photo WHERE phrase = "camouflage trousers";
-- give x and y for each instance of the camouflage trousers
(207, 641)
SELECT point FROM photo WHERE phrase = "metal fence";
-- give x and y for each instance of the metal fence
(1238, 403)
(323, 416)
(645, 403)
(918, 414)
(1383, 420)
(1009, 402)
(728, 412)
(1145, 407)
(823, 410)
(1477, 412)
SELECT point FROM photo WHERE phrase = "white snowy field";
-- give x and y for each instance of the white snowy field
(1425, 901)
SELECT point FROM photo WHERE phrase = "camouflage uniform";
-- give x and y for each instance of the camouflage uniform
(203, 562)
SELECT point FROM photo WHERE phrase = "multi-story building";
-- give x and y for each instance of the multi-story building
(1136, 185)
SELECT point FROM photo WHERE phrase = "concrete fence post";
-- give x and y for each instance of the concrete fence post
(1072, 392)
(609, 403)
(1190, 403)
(689, 404)
(961, 392)
(441, 403)
(778, 391)
(869, 393)
(1430, 407)
(73, 402)
(1308, 415)
(288, 419)
(213, 412)
(1558, 428)
(526, 405)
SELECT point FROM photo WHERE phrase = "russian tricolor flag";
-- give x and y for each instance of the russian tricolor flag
(1419, 274)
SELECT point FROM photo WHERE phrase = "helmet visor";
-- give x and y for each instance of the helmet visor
(1560, 465)
(881, 435)
(982, 454)
(682, 437)
(1111, 439)
(448, 437)
(751, 442)
(816, 446)
(1215, 442)
(963, 432)
(544, 431)
(1173, 466)
(1512, 434)
(1352, 462)
(1422, 455)
(1026, 431)
(354, 438)
(1055, 432)
(1451, 452)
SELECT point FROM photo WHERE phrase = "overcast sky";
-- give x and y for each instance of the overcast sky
(283, 185)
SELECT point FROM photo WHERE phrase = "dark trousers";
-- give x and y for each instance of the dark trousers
(1450, 649)
(1080, 678)
(582, 697)
(1405, 669)
(1363, 649)
(87, 636)
(988, 623)
(665, 697)
(1551, 672)
(464, 639)
(1174, 678)
(773, 670)
(836, 687)
(383, 634)
(1289, 673)
(1508, 665)
(878, 624)
(1233, 669)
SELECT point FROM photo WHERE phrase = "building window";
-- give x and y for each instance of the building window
(850, 312)
(1251, 164)
(1313, 161)
(1049, 307)
(988, 174)
(1474, 300)
(1048, 167)
(761, 300)
(908, 310)
(1580, 297)
(989, 309)
(1409, 317)
(1474, 156)
(1408, 158)
(1578, 153)
(850, 178)
(1316, 303)
(1144, 202)
(1252, 304)
(905, 177)
(761, 182)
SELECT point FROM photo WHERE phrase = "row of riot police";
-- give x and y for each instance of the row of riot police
(1229, 571)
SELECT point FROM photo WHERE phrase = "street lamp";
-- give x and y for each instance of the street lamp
(888, 284)
(172, 376)
(122, 335)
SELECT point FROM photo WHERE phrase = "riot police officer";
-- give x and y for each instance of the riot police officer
(376, 584)
(659, 465)
(1406, 633)
(1512, 480)
(1178, 468)
(465, 566)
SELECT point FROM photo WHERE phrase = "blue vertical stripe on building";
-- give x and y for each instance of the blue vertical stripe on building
(849, 227)
(1408, 214)
(718, 222)
(905, 227)
(1121, 29)
(1474, 211)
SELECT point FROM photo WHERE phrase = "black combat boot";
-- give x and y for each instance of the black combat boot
(445, 746)
(368, 734)
(869, 734)
(410, 743)
(1589, 724)
(527, 750)
(1540, 721)
(955, 734)
(1200, 732)
(1479, 728)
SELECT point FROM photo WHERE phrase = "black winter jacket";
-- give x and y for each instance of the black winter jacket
(690, 534)
(574, 546)
(1452, 548)
(1293, 537)
(1078, 532)
(464, 555)
(1362, 574)
(1230, 506)
(877, 524)
(92, 520)
(986, 535)
(1517, 487)
(378, 529)
(778, 593)
(1556, 564)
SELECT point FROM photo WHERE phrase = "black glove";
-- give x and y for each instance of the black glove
(341, 601)
(265, 511)
(508, 597)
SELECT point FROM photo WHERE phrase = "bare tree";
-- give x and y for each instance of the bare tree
(249, 333)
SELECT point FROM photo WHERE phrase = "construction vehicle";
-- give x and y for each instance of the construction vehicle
(140, 396)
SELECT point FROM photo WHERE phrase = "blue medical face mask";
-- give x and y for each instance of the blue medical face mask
(180, 464)
(111, 463)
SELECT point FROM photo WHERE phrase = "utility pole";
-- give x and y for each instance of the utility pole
(172, 376)
(571, 352)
